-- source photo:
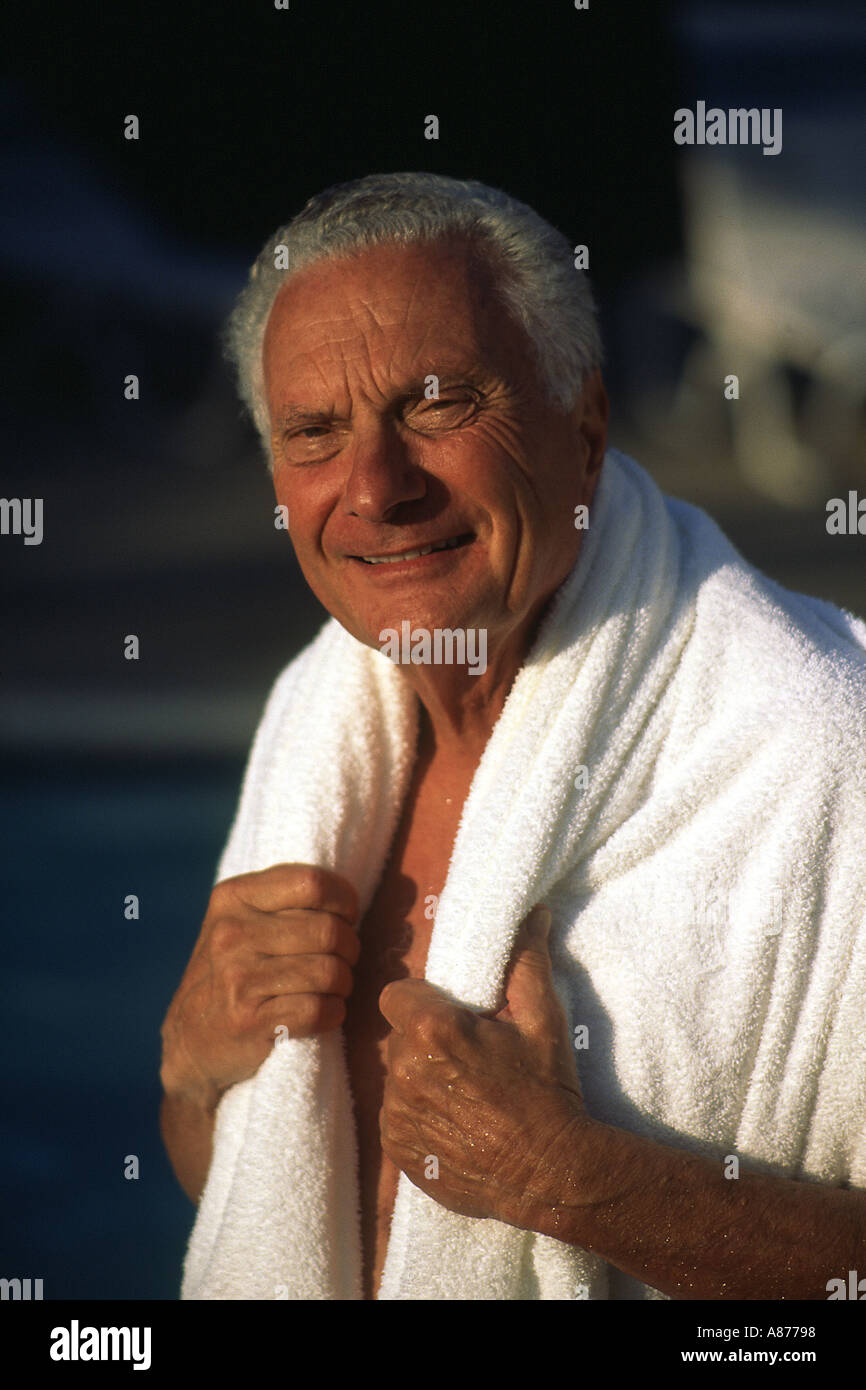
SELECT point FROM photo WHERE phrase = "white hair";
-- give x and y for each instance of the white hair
(532, 264)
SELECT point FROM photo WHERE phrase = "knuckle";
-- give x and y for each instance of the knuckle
(429, 1029)
(224, 895)
(403, 1071)
(311, 882)
(226, 935)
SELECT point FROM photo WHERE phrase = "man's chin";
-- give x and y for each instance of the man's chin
(374, 623)
(405, 629)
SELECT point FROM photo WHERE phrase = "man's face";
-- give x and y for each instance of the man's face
(370, 468)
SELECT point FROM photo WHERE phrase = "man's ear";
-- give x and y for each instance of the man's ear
(591, 416)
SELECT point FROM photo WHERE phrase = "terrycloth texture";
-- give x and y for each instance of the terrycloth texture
(708, 889)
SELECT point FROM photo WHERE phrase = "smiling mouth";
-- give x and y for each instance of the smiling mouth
(396, 558)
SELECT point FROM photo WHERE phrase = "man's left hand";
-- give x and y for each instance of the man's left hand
(490, 1099)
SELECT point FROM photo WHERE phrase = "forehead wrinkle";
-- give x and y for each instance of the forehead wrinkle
(380, 327)
(369, 317)
(378, 309)
(366, 328)
(297, 354)
(408, 307)
(435, 349)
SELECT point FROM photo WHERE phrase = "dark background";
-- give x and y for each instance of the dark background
(123, 257)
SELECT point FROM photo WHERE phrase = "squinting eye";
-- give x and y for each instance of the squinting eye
(449, 410)
(309, 444)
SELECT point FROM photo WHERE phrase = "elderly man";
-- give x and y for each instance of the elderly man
(510, 966)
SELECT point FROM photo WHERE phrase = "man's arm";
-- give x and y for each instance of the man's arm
(673, 1220)
(187, 1132)
(498, 1103)
(273, 960)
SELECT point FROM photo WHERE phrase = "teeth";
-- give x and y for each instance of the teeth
(408, 554)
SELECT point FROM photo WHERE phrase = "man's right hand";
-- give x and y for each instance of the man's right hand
(276, 950)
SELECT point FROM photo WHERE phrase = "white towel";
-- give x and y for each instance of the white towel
(708, 889)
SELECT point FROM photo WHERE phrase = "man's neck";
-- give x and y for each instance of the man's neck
(459, 711)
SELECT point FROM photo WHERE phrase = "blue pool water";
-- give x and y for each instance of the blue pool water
(84, 994)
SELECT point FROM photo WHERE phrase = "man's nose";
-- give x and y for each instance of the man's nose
(383, 473)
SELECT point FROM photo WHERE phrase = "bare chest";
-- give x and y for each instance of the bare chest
(395, 937)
